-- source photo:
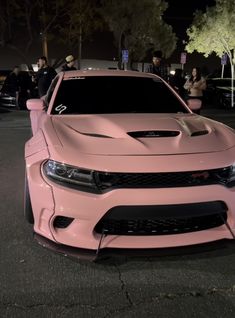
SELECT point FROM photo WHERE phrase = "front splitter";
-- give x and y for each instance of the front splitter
(93, 255)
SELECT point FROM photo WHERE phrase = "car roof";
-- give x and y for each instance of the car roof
(84, 73)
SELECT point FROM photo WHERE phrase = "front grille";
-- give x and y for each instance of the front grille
(162, 220)
(112, 180)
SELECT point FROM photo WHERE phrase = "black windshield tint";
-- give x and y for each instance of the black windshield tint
(115, 94)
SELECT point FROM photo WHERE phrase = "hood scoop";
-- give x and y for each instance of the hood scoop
(199, 133)
(153, 133)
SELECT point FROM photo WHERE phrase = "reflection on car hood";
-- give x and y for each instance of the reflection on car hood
(142, 134)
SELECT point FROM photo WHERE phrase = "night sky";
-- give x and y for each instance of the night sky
(180, 13)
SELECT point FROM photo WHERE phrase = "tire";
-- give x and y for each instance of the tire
(28, 211)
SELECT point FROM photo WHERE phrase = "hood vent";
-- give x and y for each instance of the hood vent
(199, 133)
(153, 134)
(95, 135)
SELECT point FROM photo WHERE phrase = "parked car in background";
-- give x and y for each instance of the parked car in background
(219, 92)
(5, 99)
(26, 89)
(3, 75)
(118, 160)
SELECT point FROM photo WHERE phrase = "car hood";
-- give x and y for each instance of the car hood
(142, 134)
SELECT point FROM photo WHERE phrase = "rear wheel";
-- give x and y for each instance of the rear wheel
(28, 212)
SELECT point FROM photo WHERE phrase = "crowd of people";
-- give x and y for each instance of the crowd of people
(189, 89)
(22, 85)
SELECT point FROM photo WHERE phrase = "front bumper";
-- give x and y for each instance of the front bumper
(50, 200)
(88, 209)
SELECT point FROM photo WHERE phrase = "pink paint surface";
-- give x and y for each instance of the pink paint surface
(72, 139)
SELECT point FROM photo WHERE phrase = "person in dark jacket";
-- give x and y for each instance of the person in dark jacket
(158, 67)
(69, 66)
(44, 76)
(25, 83)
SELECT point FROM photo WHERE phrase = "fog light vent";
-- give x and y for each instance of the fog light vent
(62, 222)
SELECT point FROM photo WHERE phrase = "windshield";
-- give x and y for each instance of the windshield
(115, 94)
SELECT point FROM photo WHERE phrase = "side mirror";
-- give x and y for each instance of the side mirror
(194, 104)
(35, 104)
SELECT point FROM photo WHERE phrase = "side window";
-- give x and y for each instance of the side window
(51, 90)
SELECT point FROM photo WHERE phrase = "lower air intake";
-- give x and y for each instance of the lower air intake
(162, 220)
(61, 222)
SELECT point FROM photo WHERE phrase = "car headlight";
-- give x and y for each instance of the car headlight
(70, 176)
(231, 179)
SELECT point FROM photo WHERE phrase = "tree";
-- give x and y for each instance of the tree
(15, 18)
(5, 21)
(21, 22)
(49, 14)
(138, 26)
(213, 31)
(82, 18)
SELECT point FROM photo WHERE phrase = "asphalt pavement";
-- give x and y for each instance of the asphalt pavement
(35, 282)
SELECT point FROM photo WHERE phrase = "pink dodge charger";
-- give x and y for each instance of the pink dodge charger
(117, 160)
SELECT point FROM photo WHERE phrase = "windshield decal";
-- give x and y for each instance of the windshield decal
(61, 108)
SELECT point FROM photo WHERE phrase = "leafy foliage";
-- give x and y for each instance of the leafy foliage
(6, 21)
(82, 19)
(80, 16)
(138, 26)
(213, 30)
(27, 20)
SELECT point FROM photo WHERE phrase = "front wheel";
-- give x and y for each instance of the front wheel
(28, 212)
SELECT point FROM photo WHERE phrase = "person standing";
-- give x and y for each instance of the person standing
(44, 76)
(25, 84)
(195, 85)
(69, 66)
(11, 85)
(157, 66)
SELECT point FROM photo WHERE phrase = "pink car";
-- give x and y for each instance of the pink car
(118, 161)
